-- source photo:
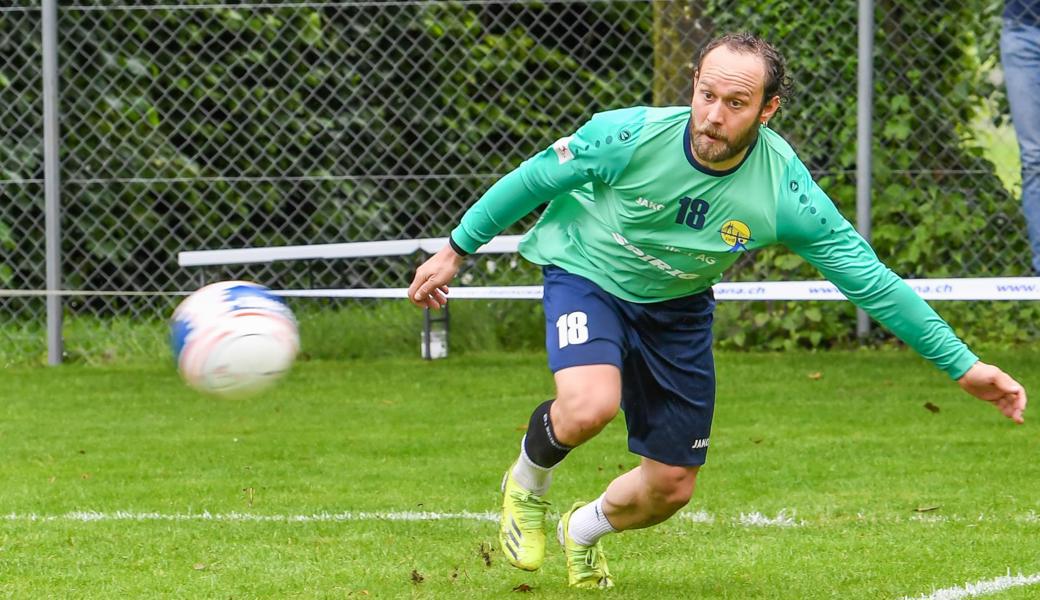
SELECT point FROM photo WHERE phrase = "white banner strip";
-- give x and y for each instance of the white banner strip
(988, 288)
(983, 288)
(514, 292)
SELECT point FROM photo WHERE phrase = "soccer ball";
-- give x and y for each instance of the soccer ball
(233, 338)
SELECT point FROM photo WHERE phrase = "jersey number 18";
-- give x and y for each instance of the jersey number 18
(692, 212)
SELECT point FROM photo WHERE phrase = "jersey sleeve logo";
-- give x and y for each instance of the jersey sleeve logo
(562, 149)
(736, 234)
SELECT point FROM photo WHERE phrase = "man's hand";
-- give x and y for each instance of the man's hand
(429, 289)
(989, 383)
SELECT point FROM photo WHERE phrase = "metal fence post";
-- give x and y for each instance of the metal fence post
(52, 183)
(864, 135)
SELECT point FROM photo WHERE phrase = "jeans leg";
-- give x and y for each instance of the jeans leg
(1020, 58)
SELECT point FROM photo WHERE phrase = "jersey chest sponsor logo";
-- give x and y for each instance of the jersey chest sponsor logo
(736, 235)
(651, 259)
(701, 256)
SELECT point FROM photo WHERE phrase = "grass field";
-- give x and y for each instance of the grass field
(827, 478)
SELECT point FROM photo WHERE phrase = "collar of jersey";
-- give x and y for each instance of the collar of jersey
(707, 170)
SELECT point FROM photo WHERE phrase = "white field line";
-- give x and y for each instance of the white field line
(784, 518)
(322, 517)
(86, 516)
(757, 519)
(980, 588)
(701, 516)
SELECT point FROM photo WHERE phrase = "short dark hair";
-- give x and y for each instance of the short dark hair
(777, 82)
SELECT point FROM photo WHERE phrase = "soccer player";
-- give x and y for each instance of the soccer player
(647, 208)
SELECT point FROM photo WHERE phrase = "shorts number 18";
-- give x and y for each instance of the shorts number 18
(572, 328)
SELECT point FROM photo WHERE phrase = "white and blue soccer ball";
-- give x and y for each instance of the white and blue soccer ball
(233, 338)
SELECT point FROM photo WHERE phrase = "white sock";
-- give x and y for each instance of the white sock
(588, 523)
(531, 477)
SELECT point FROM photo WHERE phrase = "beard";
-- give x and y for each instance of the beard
(721, 148)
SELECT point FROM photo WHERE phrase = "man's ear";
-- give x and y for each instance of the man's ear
(769, 109)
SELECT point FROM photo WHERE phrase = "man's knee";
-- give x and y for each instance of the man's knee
(585, 404)
(589, 409)
(670, 487)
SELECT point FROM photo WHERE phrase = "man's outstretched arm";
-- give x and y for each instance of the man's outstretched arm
(812, 227)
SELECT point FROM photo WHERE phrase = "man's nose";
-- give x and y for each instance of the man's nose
(714, 114)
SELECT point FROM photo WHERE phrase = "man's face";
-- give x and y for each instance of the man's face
(727, 106)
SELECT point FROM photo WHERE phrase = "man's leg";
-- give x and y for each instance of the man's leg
(647, 495)
(584, 340)
(587, 398)
(668, 394)
(642, 497)
(1020, 57)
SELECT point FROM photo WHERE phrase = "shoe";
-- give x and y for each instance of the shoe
(521, 531)
(586, 565)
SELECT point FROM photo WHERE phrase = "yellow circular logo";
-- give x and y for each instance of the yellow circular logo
(736, 234)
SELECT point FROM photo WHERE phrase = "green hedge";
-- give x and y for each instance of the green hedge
(206, 96)
(939, 210)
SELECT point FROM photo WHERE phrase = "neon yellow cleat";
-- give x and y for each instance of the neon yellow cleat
(586, 565)
(521, 531)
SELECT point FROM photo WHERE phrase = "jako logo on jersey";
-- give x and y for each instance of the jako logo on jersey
(653, 260)
(736, 234)
(641, 201)
(562, 149)
(698, 444)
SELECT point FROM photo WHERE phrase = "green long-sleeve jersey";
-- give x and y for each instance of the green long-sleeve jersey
(632, 210)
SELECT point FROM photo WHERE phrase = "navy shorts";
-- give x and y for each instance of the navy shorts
(662, 348)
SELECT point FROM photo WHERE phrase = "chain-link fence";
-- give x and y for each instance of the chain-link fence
(202, 125)
(21, 181)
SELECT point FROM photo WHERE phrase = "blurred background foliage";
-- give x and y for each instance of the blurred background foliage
(207, 126)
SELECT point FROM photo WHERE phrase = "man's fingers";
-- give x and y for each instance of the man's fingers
(1020, 407)
(412, 296)
(430, 296)
(1013, 405)
(1011, 400)
(424, 289)
(1014, 411)
(1006, 384)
